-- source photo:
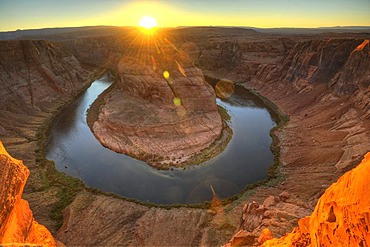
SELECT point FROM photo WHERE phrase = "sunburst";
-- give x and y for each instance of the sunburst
(148, 22)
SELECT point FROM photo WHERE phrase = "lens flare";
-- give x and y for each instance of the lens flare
(181, 111)
(177, 101)
(224, 89)
(166, 74)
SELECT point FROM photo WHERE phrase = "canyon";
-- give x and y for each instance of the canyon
(320, 83)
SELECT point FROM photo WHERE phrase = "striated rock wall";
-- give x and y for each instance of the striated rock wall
(240, 59)
(341, 216)
(302, 62)
(36, 76)
(354, 77)
(342, 65)
(17, 225)
(333, 72)
(37, 72)
(98, 220)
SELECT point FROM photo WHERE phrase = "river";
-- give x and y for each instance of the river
(246, 159)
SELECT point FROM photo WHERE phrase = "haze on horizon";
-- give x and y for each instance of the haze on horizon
(25, 14)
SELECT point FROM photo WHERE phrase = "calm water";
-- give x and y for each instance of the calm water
(245, 160)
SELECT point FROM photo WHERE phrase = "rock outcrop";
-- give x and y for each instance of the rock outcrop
(341, 216)
(17, 225)
(164, 111)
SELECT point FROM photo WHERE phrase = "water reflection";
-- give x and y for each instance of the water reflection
(245, 160)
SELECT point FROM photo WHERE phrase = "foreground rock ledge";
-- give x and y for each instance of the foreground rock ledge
(341, 216)
(17, 225)
(163, 115)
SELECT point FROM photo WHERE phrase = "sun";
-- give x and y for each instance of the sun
(148, 22)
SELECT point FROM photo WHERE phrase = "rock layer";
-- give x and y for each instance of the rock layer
(164, 112)
(17, 225)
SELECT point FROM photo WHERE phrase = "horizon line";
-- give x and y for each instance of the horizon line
(249, 27)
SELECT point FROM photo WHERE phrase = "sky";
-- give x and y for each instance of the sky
(33, 14)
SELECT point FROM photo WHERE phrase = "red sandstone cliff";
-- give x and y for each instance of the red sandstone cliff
(341, 216)
(36, 72)
(341, 65)
(17, 225)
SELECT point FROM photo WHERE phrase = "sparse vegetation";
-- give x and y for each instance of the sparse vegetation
(223, 113)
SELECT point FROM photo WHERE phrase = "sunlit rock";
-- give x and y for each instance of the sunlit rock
(17, 225)
(341, 216)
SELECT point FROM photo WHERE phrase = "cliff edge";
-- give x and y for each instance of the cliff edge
(341, 216)
(17, 225)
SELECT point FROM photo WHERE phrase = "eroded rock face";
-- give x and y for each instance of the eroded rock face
(17, 225)
(37, 72)
(241, 59)
(163, 112)
(36, 77)
(341, 216)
